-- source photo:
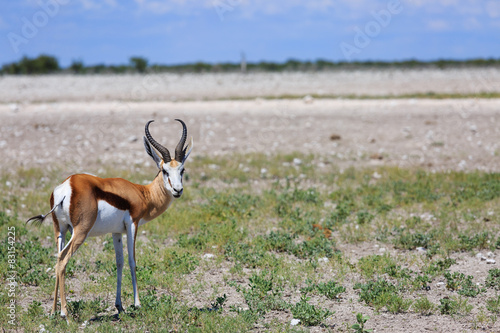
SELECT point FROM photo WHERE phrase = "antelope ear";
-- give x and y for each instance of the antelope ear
(191, 144)
(151, 152)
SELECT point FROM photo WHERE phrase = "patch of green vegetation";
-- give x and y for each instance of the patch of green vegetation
(329, 289)
(481, 240)
(244, 254)
(440, 266)
(35, 309)
(377, 293)
(454, 305)
(264, 293)
(80, 310)
(318, 246)
(493, 279)
(359, 327)
(424, 307)
(373, 265)
(31, 261)
(410, 241)
(397, 304)
(493, 304)
(212, 234)
(462, 284)
(308, 314)
(278, 241)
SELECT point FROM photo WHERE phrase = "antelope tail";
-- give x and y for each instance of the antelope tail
(39, 218)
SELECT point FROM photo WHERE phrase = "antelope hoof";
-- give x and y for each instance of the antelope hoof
(119, 307)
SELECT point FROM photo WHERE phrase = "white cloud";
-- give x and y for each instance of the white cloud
(95, 4)
(493, 9)
(438, 25)
(3, 24)
(472, 23)
(247, 7)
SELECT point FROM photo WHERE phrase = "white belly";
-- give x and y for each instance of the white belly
(109, 220)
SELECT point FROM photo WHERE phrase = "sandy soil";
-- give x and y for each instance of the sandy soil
(434, 134)
(81, 123)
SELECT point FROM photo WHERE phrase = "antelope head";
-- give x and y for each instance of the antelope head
(172, 169)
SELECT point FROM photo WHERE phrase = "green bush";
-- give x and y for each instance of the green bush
(43, 64)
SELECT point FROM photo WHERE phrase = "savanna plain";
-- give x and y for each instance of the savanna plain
(360, 201)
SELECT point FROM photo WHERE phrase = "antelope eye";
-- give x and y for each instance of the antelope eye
(164, 172)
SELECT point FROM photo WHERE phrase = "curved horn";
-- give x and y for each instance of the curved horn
(163, 151)
(180, 151)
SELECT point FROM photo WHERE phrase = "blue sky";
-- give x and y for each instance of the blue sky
(180, 31)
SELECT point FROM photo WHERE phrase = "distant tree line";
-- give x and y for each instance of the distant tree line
(46, 64)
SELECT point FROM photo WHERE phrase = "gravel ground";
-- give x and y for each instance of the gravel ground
(175, 87)
(433, 134)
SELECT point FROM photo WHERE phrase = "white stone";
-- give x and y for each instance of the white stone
(491, 261)
(421, 250)
(297, 161)
(324, 259)
(490, 254)
(440, 284)
(308, 99)
(14, 107)
(208, 256)
(294, 322)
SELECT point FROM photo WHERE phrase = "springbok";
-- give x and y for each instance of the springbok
(90, 206)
